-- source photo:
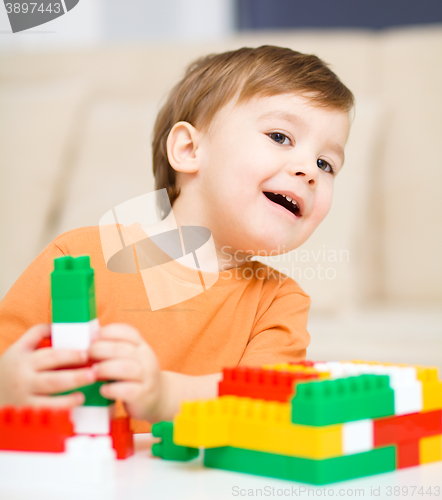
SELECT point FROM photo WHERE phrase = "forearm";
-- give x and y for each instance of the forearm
(177, 387)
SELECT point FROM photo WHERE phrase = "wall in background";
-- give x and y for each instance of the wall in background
(94, 22)
(377, 14)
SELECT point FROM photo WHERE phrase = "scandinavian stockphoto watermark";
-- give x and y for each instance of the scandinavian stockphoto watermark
(177, 263)
(24, 15)
(300, 264)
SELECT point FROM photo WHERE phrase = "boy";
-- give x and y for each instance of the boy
(247, 145)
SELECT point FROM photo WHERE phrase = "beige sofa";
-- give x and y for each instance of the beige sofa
(75, 141)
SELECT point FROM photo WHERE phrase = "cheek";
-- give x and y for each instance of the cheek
(323, 204)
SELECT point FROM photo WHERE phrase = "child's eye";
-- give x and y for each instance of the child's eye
(280, 138)
(323, 165)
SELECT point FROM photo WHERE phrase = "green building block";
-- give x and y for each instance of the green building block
(167, 449)
(328, 402)
(302, 469)
(73, 310)
(92, 396)
(73, 290)
(252, 462)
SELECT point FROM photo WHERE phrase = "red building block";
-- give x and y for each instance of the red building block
(31, 429)
(407, 454)
(304, 363)
(46, 342)
(122, 437)
(392, 430)
(258, 383)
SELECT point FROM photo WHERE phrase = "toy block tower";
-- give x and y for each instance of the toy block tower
(74, 313)
(314, 422)
(74, 326)
(81, 442)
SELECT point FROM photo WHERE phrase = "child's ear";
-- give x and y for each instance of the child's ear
(182, 144)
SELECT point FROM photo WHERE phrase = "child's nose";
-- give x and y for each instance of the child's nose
(309, 173)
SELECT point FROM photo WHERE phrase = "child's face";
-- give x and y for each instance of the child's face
(279, 144)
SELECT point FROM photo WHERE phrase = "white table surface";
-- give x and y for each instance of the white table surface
(143, 477)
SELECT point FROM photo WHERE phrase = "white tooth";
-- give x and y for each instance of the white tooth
(288, 198)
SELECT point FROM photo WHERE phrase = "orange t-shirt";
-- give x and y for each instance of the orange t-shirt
(252, 315)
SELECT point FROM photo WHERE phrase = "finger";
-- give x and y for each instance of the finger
(31, 338)
(126, 391)
(51, 382)
(120, 331)
(107, 349)
(49, 358)
(118, 369)
(68, 401)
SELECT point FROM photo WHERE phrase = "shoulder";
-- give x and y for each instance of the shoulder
(274, 280)
(82, 238)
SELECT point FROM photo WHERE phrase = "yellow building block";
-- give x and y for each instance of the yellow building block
(286, 367)
(266, 426)
(431, 387)
(205, 423)
(430, 449)
(253, 424)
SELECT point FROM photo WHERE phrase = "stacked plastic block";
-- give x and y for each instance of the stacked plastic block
(339, 421)
(81, 442)
(74, 325)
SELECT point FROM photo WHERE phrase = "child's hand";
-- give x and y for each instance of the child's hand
(125, 357)
(28, 375)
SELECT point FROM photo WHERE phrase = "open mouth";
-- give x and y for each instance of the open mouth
(285, 201)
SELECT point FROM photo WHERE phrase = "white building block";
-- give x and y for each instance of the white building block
(321, 366)
(84, 446)
(91, 419)
(87, 460)
(336, 369)
(357, 436)
(74, 335)
(351, 369)
(408, 396)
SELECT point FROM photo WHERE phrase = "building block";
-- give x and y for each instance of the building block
(265, 430)
(357, 436)
(122, 437)
(407, 397)
(74, 335)
(407, 454)
(328, 402)
(92, 394)
(167, 449)
(207, 423)
(302, 469)
(366, 418)
(256, 425)
(30, 429)
(73, 290)
(100, 446)
(92, 419)
(293, 368)
(405, 428)
(46, 342)
(430, 449)
(73, 310)
(306, 362)
(259, 383)
(431, 387)
(86, 461)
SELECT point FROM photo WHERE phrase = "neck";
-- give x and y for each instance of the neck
(211, 257)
